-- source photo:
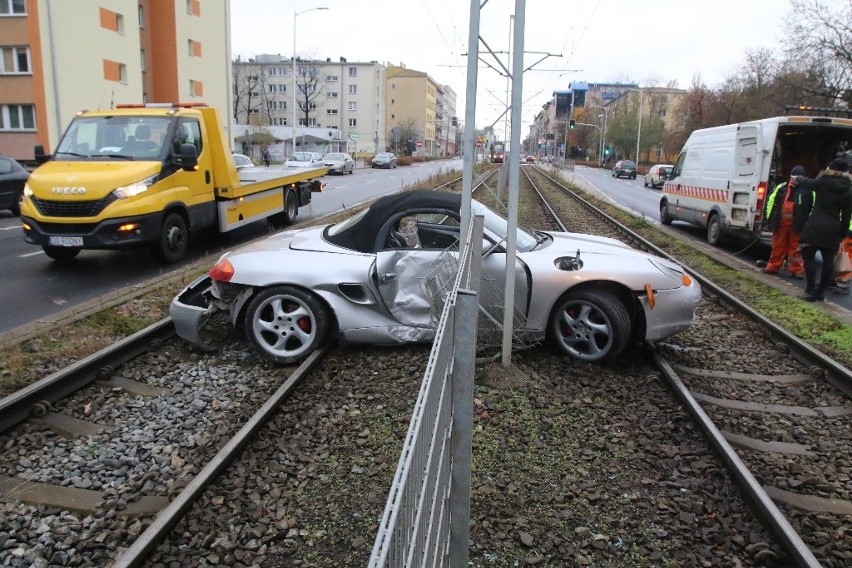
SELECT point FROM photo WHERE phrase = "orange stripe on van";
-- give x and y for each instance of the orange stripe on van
(705, 193)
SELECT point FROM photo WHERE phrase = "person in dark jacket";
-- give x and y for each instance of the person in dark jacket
(828, 199)
(781, 208)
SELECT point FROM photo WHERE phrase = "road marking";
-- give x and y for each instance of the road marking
(30, 254)
(12, 228)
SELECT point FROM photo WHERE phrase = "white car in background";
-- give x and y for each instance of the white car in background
(304, 160)
(242, 161)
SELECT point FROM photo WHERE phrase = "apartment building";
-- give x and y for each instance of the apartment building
(344, 100)
(62, 57)
(412, 103)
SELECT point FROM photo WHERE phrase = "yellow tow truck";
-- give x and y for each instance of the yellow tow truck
(149, 175)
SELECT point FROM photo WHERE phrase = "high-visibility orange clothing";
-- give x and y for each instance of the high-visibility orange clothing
(785, 242)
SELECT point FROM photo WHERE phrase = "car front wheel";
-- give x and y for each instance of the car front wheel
(665, 218)
(285, 323)
(590, 326)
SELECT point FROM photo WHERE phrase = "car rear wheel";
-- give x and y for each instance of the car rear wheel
(285, 323)
(61, 253)
(590, 326)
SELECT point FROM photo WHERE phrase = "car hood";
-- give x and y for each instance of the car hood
(570, 242)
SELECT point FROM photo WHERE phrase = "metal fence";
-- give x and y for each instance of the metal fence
(426, 518)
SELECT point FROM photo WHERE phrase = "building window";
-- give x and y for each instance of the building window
(15, 60)
(271, 88)
(115, 71)
(353, 123)
(112, 21)
(331, 111)
(17, 117)
(141, 18)
(196, 88)
(353, 71)
(282, 71)
(282, 88)
(353, 89)
(331, 79)
(282, 105)
(142, 60)
(353, 105)
(13, 8)
(331, 95)
(271, 71)
(194, 48)
(193, 7)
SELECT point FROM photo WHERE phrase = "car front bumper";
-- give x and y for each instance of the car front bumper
(191, 309)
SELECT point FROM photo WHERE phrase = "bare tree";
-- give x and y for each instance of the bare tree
(250, 96)
(819, 43)
(309, 91)
(402, 135)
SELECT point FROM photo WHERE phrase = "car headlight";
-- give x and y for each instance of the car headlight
(27, 191)
(136, 188)
(672, 270)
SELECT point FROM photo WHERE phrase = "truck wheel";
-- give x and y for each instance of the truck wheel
(714, 230)
(665, 218)
(285, 323)
(173, 241)
(291, 207)
(590, 326)
(61, 253)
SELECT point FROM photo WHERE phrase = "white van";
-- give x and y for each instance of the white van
(723, 174)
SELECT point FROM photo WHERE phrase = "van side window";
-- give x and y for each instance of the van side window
(678, 167)
(188, 131)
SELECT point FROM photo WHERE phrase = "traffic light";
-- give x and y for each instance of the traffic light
(572, 123)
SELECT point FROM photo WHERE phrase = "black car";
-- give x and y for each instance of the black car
(13, 176)
(626, 168)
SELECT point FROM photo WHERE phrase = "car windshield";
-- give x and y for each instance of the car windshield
(627, 164)
(114, 138)
(384, 155)
(300, 157)
(334, 157)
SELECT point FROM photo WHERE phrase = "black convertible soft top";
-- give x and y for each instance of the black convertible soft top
(362, 236)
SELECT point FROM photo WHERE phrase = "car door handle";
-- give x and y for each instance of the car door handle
(387, 277)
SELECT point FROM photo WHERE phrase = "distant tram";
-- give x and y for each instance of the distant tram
(497, 154)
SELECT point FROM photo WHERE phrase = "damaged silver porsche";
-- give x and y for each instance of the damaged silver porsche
(372, 279)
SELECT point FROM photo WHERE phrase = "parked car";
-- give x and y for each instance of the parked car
(530, 159)
(339, 163)
(590, 295)
(304, 160)
(13, 176)
(657, 175)
(383, 160)
(626, 168)
(242, 161)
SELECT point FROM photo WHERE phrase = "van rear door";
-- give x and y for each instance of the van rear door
(743, 190)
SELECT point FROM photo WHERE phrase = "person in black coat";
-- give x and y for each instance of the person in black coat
(828, 199)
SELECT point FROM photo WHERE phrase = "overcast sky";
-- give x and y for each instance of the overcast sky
(649, 42)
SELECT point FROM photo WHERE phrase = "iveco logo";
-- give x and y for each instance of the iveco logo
(68, 190)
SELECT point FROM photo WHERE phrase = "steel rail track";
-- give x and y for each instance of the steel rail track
(36, 398)
(174, 512)
(764, 506)
(835, 372)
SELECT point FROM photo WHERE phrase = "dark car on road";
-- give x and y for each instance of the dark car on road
(13, 176)
(383, 160)
(626, 168)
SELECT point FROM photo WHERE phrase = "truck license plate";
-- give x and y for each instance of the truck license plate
(65, 241)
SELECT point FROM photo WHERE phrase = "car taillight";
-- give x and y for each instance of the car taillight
(222, 271)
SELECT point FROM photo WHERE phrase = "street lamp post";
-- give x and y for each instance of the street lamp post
(295, 100)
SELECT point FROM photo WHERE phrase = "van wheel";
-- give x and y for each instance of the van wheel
(61, 253)
(714, 230)
(665, 218)
(173, 241)
(291, 207)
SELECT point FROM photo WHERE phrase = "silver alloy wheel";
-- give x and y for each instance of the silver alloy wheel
(286, 323)
(590, 326)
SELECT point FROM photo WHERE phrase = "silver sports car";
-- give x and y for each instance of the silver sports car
(372, 279)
